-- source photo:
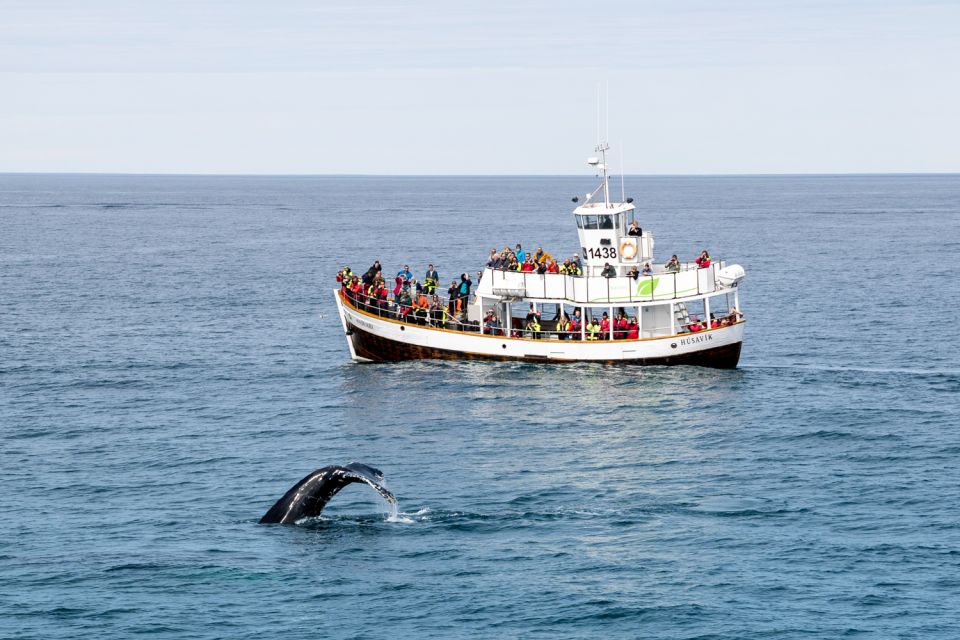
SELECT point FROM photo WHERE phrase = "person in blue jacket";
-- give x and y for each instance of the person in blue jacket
(520, 253)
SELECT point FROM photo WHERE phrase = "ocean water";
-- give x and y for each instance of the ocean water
(171, 362)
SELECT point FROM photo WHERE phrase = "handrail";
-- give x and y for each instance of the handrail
(596, 290)
(391, 311)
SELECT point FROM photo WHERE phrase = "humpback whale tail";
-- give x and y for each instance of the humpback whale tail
(308, 497)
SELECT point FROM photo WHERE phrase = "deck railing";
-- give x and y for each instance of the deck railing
(595, 290)
(440, 317)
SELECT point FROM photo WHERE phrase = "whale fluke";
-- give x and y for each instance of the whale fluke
(308, 497)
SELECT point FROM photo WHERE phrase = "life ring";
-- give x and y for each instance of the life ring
(628, 249)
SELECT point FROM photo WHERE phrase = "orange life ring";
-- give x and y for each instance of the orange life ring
(628, 249)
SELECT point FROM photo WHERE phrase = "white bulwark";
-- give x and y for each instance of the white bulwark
(645, 312)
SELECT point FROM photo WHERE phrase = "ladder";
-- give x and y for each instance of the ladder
(681, 314)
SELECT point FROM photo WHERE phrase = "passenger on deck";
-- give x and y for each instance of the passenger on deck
(405, 273)
(609, 271)
(541, 256)
(633, 273)
(542, 268)
(577, 263)
(734, 315)
(552, 267)
(438, 312)
(673, 264)
(703, 261)
(527, 266)
(634, 229)
(532, 314)
(620, 327)
(520, 254)
(714, 322)
(491, 325)
(452, 294)
(344, 275)
(371, 274)
(605, 327)
(633, 329)
(563, 326)
(593, 330)
(647, 271)
(431, 280)
(355, 290)
(465, 284)
(421, 308)
(575, 324)
(694, 325)
(533, 328)
(404, 303)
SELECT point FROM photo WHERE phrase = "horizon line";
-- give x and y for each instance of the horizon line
(173, 174)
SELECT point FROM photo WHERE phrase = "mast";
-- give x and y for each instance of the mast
(602, 147)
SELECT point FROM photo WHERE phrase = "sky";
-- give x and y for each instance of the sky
(494, 87)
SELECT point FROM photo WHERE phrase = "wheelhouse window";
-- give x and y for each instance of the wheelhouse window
(587, 221)
(605, 222)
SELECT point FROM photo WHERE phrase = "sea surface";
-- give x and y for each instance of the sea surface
(171, 362)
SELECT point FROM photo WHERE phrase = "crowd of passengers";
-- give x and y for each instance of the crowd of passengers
(569, 327)
(541, 262)
(410, 300)
(417, 301)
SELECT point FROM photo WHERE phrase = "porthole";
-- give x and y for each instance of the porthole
(504, 346)
(402, 328)
(673, 345)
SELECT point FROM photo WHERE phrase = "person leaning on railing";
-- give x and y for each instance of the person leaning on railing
(673, 264)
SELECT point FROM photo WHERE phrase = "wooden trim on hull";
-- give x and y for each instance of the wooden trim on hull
(379, 349)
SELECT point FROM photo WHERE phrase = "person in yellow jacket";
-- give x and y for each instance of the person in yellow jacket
(541, 256)
(593, 330)
(533, 328)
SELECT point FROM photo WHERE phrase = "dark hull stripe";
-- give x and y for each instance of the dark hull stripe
(380, 349)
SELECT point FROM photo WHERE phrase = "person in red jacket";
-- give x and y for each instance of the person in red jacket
(620, 327)
(604, 327)
(527, 265)
(633, 329)
(704, 260)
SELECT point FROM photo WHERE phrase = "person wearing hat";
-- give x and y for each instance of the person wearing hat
(592, 329)
(604, 327)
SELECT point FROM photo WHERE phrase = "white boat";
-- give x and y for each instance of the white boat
(684, 313)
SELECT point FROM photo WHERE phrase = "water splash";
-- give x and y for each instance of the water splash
(394, 515)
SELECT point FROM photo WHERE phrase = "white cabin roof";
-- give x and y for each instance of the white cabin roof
(593, 208)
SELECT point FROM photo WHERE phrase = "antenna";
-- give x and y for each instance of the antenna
(598, 114)
(607, 136)
(623, 193)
